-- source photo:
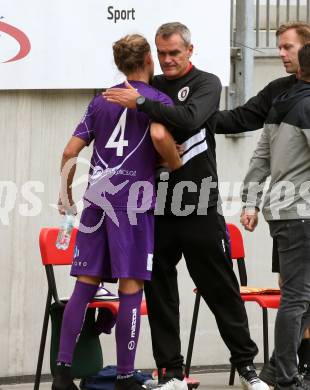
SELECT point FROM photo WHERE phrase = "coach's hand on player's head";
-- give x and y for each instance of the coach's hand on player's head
(126, 97)
(249, 218)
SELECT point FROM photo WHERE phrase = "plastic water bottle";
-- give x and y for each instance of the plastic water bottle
(64, 234)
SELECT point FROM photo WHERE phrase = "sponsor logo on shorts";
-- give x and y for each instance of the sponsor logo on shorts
(131, 345)
(149, 265)
(80, 263)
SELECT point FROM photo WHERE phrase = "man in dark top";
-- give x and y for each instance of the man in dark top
(286, 133)
(189, 224)
(252, 116)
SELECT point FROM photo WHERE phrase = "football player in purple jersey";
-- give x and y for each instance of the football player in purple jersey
(116, 232)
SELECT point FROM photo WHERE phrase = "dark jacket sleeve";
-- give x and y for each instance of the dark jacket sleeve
(198, 108)
(250, 116)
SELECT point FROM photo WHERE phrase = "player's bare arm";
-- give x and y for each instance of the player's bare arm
(165, 145)
(67, 171)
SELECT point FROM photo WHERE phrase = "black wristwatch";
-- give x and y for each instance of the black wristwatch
(140, 101)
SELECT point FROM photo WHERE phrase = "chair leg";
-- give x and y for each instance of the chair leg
(192, 334)
(43, 341)
(232, 375)
(265, 335)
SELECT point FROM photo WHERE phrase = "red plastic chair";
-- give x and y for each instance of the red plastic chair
(265, 301)
(51, 256)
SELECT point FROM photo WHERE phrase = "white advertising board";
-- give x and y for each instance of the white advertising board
(64, 44)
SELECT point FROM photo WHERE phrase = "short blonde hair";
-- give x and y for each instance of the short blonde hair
(129, 53)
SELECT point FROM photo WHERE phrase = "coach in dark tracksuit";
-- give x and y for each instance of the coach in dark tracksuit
(190, 224)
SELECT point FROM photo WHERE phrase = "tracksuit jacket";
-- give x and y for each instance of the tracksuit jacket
(191, 121)
(283, 152)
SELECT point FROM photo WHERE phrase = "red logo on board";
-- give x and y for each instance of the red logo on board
(20, 37)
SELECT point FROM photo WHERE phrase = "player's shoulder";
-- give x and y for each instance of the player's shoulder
(162, 97)
(99, 104)
(151, 92)
(149, 89)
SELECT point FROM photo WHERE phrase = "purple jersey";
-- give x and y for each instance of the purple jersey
(123, 153)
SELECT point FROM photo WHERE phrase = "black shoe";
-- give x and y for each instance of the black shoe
(250, 380)
(62, 379)
(297, 384)
(268, 374)
(128, 383)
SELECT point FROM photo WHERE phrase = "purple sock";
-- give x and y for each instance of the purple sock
(73, 319)
(127, 331)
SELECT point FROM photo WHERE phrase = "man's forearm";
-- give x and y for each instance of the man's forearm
(250, 116)
(180, 117)
(239, 120)
(197, 110)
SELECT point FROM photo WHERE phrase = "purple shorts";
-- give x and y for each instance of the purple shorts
(110, 251)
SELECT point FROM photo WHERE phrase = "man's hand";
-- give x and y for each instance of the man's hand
(69, 209)
(126, 97)
(249, 219)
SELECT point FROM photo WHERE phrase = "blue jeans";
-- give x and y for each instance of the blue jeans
(293, 242)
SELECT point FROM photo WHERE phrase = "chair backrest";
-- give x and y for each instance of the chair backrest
(50, 255)
(236, 242)
(237, 251)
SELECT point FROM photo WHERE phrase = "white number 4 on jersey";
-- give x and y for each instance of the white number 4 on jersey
(118, 131)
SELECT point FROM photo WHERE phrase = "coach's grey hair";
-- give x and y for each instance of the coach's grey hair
(167, 29)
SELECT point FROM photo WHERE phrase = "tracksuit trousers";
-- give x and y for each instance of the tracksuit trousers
(203, 241)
